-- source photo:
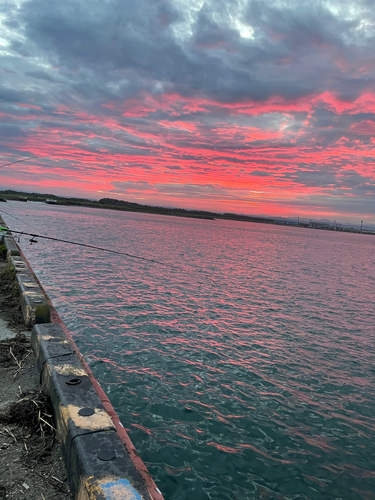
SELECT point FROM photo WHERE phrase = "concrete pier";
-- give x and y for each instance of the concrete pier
(99, 456)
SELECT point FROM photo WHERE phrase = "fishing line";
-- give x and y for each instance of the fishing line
(20, 220)
(94, 247)
(24, 159)
(74, 242)
(80, 244)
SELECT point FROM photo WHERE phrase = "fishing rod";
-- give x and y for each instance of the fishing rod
(33, 240)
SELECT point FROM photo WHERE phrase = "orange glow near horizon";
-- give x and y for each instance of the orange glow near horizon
(270, 157)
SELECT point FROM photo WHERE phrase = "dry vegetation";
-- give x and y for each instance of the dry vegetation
(31, 466)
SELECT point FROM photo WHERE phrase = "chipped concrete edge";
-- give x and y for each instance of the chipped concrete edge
(101, 461)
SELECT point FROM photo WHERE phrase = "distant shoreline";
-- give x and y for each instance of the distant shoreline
(125, 206)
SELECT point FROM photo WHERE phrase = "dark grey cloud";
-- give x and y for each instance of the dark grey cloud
(40, 75)
(162, 45)
(7, 132)
(10, 95)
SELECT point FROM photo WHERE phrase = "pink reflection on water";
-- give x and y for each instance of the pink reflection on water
(226, 449)
(264, 454)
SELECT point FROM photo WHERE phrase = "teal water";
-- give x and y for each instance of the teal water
(244, 368)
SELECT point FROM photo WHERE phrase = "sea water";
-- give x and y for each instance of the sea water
(241, 363)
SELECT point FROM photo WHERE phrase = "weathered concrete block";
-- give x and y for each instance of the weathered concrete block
(26, 282)
(68, 385)
(12, 248)
(35, 308)
(34, 305)
(49, 341)
(100, 468)
(98, 464)
(18, 263)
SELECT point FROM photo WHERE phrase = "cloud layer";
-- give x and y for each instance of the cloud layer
(244, 106)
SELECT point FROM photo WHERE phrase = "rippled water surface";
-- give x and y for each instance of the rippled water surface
(242, 369)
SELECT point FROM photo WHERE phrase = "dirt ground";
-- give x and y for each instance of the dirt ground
(31, 465)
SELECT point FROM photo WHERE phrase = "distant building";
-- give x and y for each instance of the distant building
(286, 222)
(319, 225)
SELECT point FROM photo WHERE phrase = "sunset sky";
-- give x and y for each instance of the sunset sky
(253, 106)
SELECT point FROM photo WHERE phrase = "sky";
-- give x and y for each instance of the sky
(247, 106)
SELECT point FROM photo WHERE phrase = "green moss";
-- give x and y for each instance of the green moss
(43, 313)
(3, 251)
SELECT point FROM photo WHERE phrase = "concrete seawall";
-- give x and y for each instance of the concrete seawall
(100, 459)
